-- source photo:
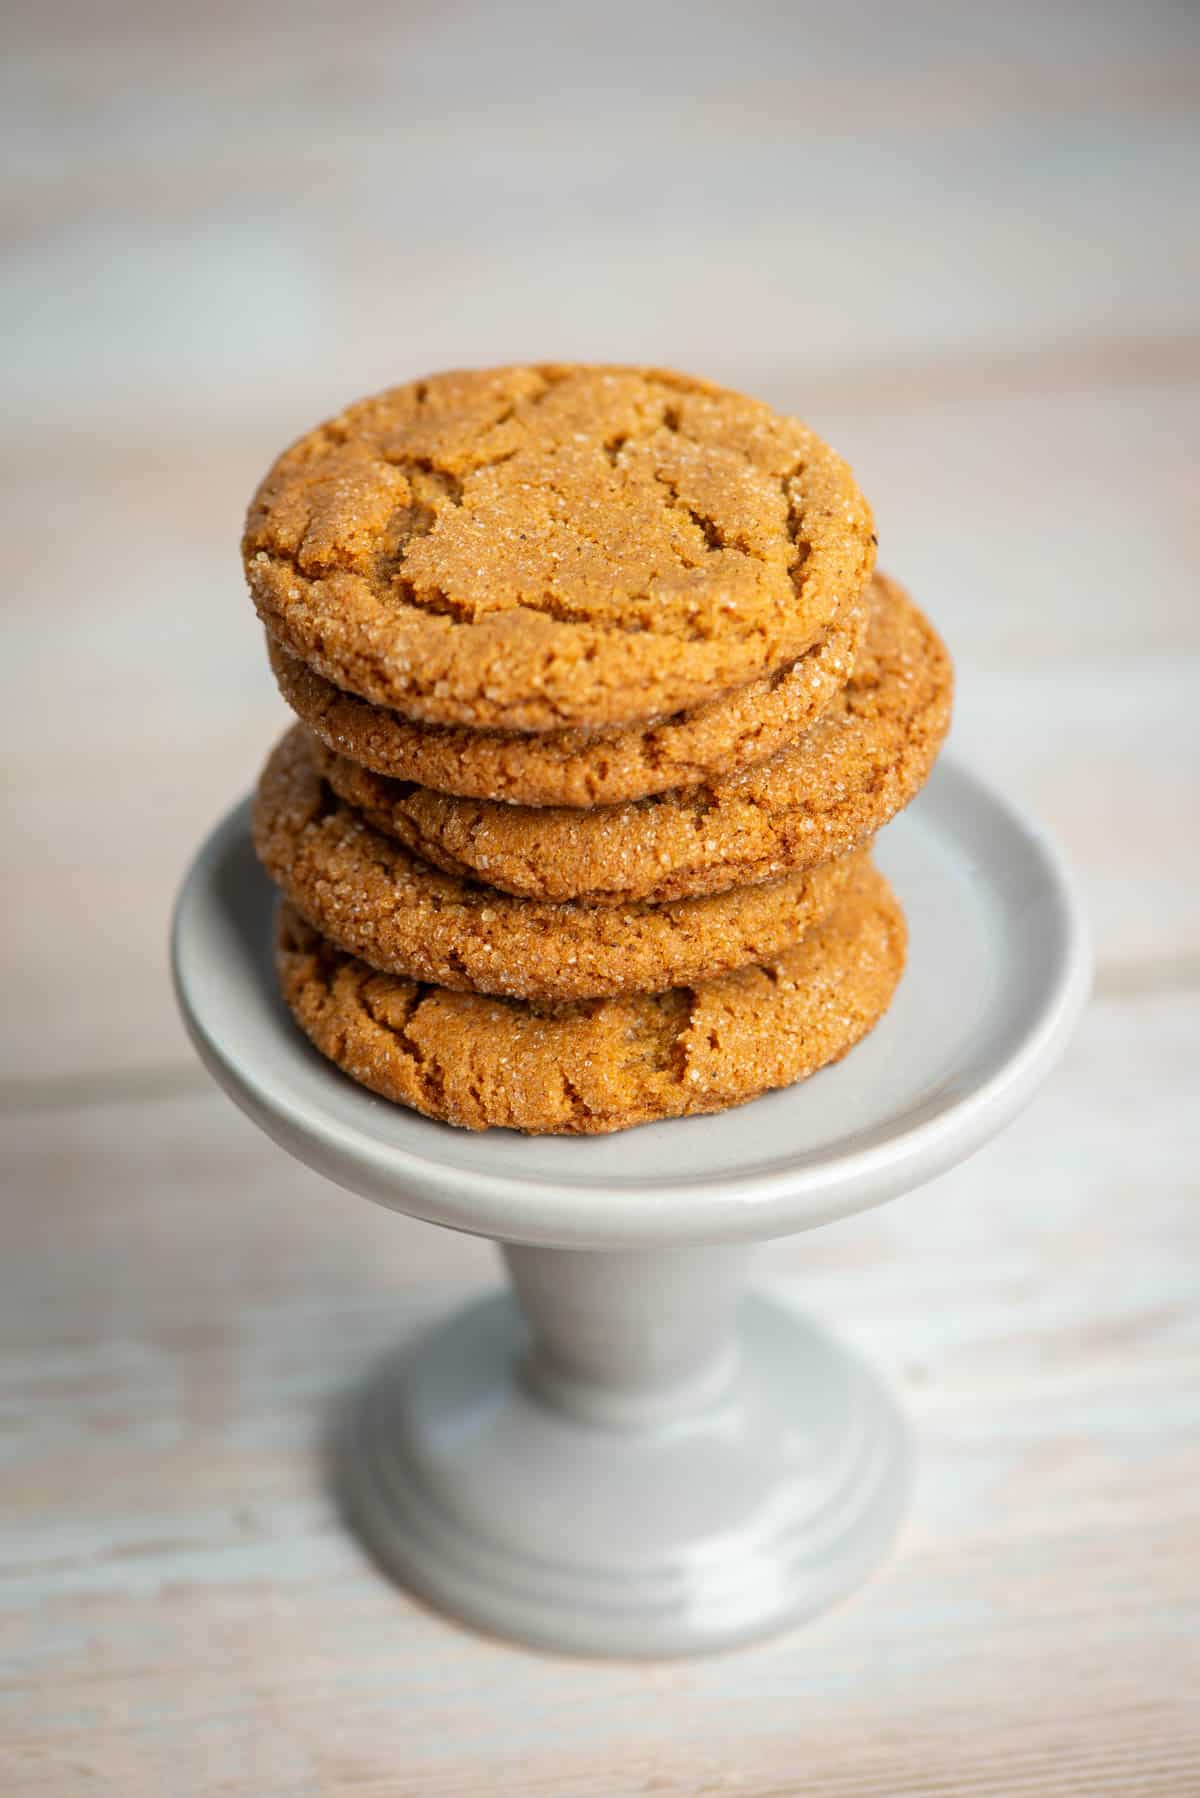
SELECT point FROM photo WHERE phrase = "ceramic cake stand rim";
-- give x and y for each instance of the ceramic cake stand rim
(563, 1211)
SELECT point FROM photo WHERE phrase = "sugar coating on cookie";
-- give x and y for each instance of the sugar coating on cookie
(865, 758)
(535, 548)
(575, 767)
(369, 895)
(602, 1064)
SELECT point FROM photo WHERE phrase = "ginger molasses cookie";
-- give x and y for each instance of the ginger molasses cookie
(369, 895)
(601, 1064)
(573, 767)
(865, 758)
(553, 547)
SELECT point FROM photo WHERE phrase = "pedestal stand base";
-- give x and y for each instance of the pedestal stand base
(769, 1492)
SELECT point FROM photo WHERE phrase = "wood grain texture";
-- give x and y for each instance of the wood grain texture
(181, 1609)
(957, 240)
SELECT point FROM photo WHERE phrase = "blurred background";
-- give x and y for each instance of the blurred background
(961, 241)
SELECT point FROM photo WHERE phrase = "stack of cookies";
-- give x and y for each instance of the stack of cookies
(601, 704)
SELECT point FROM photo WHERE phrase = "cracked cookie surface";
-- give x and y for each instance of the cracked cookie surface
(581, 768)
(371, 897)
(834, 788)
(549, 547)
(603, 1064)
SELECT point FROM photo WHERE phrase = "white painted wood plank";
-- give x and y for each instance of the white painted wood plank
(1044, 516)
(1077, 649)
(180, 1609)
(1042, 524)
(216, 223)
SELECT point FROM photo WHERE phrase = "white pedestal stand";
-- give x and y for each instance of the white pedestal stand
(629, 1455)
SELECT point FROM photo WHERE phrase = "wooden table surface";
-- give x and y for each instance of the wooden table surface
(961, 241)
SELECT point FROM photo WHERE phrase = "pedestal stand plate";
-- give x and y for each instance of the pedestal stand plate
(628, 1454)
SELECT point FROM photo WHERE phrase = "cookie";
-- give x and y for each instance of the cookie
(867, 756)
(554, 547)
(370, 896)
(601, 1064)
(580, 768)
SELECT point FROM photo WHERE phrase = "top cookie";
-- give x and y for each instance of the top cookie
(537, 548)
